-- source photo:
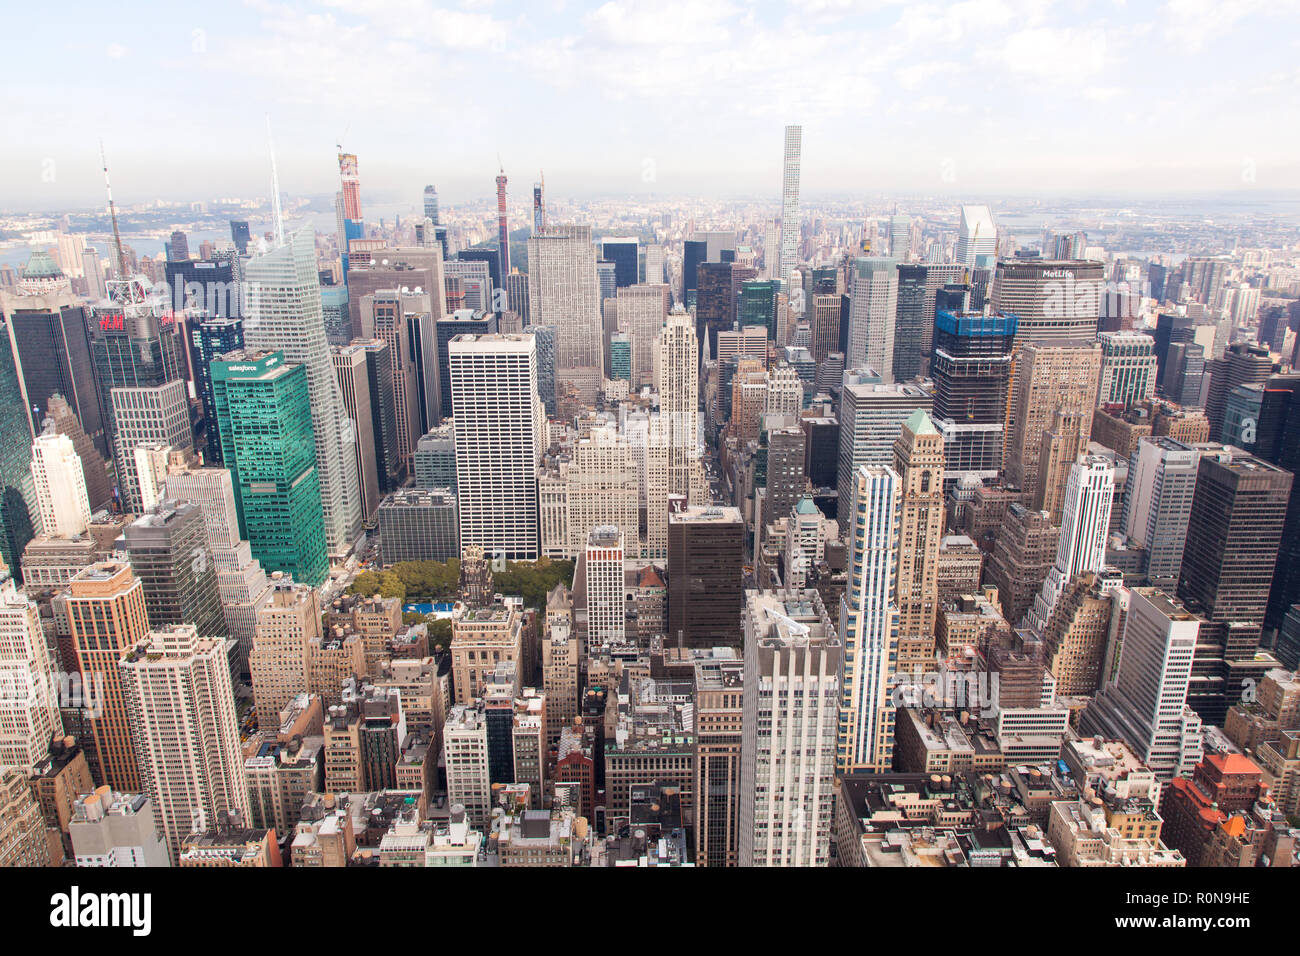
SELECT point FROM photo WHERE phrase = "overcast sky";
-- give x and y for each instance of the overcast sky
(639, 96)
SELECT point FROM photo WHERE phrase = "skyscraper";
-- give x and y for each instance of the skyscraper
(1158, 504)
(705, 553)
(500, 435)
(1146, 705)
(1233, 537)
(170, 556)
(60, 486)
(605, 595)
(29, 710)
(873, 308)
(210, 338)
(870, 418)
(1058, 301)
(503, 231)
(349, 206)
(642, 310)
(106, 616)
(971, 368)
(17, 497)
(977, 238)
(869, 621)
(284, 313)
(1085, 527)
(918, 460)
(1051, 384)
(265, 423)
(563, 293)
(1128, 368)
(182, 712)
(790, 203)
(793, 659)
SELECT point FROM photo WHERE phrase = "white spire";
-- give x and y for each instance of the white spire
(275, 188)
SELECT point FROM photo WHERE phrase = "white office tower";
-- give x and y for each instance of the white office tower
(283, 312)
(184, 730)
(977, 238)
(873, 308)
(29, 706)
(604, 488)
(60, 486)
(1146, 704)
(789, 204)
(1085, 524)
(241, 581)
(564, 294)
(869, 622)
(871, 419)
(679, 402)
(1158, 504)
(790, 711)
(784, 391)
(606, 596)
(500, 436)
(772, 249)
(465, 755)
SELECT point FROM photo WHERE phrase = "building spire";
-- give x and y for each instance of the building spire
(118, 259)
(277, 212)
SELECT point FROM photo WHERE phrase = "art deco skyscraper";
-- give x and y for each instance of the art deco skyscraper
(918, 460)
(793, 659)
(679, 399)
(284, 313)
(184, 729)
(563, 293)
(790, 203)
(500, 435)
(60, 486)
(1050, 384)
(869, 622)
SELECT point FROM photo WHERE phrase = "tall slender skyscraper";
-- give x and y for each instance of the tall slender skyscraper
(918, 459)
(869, 622)
(503, 231)
(790, 202)
(1085, 526)
(284, 314)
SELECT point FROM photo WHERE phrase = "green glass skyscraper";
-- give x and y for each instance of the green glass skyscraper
(17, 495)
(264, 421)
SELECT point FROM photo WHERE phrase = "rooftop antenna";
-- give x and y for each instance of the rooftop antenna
(118, 259)
(276, 211)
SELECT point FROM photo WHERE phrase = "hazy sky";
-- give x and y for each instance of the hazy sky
(640, 96)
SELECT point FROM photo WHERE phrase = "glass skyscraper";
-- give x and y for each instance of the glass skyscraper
(264, 418)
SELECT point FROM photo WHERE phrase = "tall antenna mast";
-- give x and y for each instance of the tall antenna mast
(276, 211)
(118, 259)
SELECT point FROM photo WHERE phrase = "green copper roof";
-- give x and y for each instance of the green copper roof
(918, 423)
(41, 266)
(805, 506)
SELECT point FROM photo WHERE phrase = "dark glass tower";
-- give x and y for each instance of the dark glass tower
(210, 338)
(17, 494)
(1233, 536)
(971, 368)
